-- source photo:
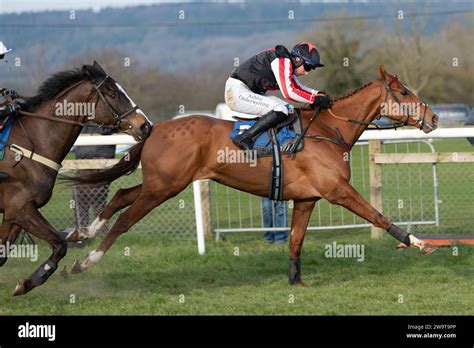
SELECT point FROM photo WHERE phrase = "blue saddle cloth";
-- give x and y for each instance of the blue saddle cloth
(285, 135)
(4, 135)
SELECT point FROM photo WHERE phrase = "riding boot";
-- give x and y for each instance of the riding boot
(247, 138)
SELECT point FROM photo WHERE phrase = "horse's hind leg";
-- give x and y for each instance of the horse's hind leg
(347, 196)
(31, 220)
(122, 198)
(299, 223)
(139, 208)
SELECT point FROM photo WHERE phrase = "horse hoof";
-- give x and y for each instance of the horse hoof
(63, 273)
(427, 249)
(74, 237)
(299, 283)
(20, 289)
(76, 267)
(401, 246)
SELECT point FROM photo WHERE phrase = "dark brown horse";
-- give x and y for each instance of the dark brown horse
(39, 141)
(183, 150)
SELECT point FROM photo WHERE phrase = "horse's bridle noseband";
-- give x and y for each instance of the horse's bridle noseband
(118, 117)
(417, 120)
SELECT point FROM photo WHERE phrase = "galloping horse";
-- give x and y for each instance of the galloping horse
(180, 151)
(39, 141)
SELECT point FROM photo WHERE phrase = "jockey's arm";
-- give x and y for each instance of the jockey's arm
(305, 88)
(290, 87)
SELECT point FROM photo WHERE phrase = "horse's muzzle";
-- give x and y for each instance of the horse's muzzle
(145, 128)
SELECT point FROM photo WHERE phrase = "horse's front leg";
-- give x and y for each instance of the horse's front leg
(299, 223)
(345, 195)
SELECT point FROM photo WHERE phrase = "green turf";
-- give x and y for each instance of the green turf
(160, 270)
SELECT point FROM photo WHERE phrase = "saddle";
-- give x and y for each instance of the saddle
(279, 140)
(287, 133)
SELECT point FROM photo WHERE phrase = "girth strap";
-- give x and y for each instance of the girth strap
(35, 157)
(276, 171)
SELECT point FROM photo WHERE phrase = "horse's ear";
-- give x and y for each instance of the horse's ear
(92, 73)
(88, 70)
(98, 67)
(383, 74)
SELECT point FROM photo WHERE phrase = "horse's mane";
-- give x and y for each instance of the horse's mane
(56, 83)
(350, 93)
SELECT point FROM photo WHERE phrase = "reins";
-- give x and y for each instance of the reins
(56, 119)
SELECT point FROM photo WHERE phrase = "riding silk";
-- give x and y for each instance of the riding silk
(272, 70)
(4, 135)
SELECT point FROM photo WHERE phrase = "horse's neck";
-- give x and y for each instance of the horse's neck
(52, 139)
(363, 106)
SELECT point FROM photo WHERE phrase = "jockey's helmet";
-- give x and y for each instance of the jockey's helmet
(308, 54)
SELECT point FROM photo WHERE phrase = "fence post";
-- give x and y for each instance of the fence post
(206, 207)
(375, 174)
(199, 221)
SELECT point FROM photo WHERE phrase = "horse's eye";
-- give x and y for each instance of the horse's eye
(113, 96)
(404, 93)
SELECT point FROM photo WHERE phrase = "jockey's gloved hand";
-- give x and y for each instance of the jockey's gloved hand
(12, 109)
(14, 94)
(322, 102)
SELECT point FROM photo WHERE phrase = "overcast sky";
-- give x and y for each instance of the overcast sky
(9, 6)
(17, 6)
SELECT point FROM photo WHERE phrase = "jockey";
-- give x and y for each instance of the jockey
(9, 107)
(274, 69)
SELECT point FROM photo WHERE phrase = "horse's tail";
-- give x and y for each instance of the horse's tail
(126, 165)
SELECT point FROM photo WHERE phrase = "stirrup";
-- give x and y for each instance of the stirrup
(243, 142)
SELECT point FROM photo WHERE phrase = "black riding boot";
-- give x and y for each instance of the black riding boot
(265, 122)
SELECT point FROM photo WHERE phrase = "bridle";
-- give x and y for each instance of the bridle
(118, 117)
(417, 120)
(100, 96)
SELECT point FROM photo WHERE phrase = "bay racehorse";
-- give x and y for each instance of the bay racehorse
(182, 150)
(40, 139)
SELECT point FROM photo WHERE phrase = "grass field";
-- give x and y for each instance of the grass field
(160, 270)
